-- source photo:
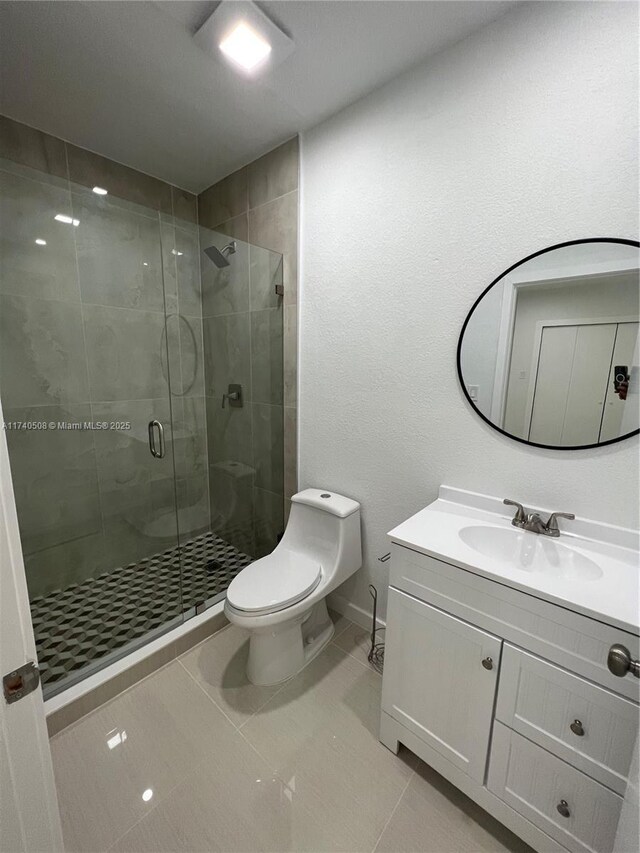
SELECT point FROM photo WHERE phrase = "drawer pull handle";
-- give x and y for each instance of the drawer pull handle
(487, 663)
(563, 808)
(577, 728)
(620, 662)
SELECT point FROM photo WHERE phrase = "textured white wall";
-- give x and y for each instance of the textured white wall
(414, 199)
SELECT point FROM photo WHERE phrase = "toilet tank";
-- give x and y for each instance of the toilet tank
(325, 526)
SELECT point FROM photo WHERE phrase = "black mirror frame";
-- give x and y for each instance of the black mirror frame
(621, 240)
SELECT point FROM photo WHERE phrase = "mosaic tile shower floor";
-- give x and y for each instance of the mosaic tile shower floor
(94, 618)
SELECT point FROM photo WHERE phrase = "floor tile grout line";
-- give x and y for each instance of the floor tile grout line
(339, 633)
(393, 811)
(253, 713)
(202, 642)
(106, 702)
(259, 754)
(192, 770)
(160, 802)
(274, 770)
(264, 704)
(239, 728)
(367, 665)
(288, 680)
(209, 697)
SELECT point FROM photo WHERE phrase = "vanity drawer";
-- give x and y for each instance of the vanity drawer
(574, 641)
(577, 811)
(543, 702)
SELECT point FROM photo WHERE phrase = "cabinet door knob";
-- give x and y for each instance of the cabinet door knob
(620, 662)
(487, 663)
(577, 728)
(563, 808)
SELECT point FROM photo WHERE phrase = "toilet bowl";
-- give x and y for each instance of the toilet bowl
(281, 598)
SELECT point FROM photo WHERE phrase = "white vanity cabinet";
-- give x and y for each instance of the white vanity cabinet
(440, 682)
(510, 698)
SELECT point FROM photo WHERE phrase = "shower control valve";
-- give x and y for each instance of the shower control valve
(233, 395)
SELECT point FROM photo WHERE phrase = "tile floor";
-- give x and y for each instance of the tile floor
(194, 758)
(90, 620)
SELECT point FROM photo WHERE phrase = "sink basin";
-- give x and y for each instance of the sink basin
(530, 552)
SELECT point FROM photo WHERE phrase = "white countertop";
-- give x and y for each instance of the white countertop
(613, 597)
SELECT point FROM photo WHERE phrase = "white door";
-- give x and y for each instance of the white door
(440, 678)
(571, 383)
(29, 818)
(621, 416)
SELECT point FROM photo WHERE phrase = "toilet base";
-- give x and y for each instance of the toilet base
(280, 651)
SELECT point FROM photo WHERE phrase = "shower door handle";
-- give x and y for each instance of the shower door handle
(156, 451)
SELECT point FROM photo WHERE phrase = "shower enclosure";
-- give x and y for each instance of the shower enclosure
(142, 391)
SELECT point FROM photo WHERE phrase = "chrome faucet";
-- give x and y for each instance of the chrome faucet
(533, 522)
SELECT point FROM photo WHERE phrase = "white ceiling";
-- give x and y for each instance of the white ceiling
(125, 79)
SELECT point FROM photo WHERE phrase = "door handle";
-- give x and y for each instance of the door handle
(620, 662)
(157, 451)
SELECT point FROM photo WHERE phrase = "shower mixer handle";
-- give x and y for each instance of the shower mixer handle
(230, 397)
(233, 395)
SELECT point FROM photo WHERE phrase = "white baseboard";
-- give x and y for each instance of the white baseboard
(356, 614)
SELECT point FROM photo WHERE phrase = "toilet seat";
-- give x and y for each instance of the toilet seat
(274, 582)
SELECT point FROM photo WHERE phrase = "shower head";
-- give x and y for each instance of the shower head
(220, 257)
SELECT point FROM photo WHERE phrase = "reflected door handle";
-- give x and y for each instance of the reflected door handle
(157, 450)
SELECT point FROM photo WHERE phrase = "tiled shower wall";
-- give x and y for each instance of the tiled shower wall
(258, 204)
(82, 338)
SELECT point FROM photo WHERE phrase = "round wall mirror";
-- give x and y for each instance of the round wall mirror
(548, 354)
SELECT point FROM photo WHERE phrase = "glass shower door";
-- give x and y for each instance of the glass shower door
(242, 319)
(84, 372)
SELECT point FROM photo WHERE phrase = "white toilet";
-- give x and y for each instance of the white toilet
(281, 598)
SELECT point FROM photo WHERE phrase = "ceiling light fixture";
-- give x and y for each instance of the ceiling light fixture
(68, 220)
(242, 36)
(245, 46)
(40, 241)
(99, 191)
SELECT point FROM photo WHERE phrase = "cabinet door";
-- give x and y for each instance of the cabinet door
(435, 682)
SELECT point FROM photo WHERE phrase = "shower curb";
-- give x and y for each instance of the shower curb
(69, 706)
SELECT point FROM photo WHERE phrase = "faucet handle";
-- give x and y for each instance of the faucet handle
(552, 523)
(520, 517)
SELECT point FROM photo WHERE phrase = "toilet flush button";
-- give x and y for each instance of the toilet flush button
(325, 495)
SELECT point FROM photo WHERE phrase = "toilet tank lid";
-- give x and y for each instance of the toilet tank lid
(327, 501)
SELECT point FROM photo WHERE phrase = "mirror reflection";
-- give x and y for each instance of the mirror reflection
(549, 354)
